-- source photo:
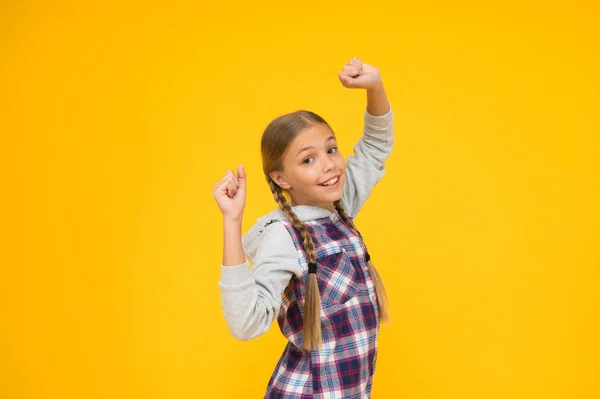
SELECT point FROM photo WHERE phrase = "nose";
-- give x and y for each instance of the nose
(328, 164)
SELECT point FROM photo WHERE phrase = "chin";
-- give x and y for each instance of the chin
(340, 191)
(337, 195)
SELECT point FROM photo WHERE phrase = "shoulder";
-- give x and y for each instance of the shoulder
(269, 237)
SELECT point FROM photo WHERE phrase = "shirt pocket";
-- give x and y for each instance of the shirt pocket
(339, 281)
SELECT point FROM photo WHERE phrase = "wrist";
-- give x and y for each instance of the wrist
(376, 88)
(232, 220)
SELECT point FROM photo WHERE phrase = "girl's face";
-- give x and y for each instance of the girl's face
(314, 170)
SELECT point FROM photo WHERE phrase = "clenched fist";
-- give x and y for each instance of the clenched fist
(358, 75)
(230, 194)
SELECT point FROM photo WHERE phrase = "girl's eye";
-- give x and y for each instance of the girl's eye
(332, 150)
(307, 160)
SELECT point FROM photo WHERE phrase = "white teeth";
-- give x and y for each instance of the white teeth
(330, 182)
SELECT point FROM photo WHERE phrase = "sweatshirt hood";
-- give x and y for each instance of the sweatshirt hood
(251, 241)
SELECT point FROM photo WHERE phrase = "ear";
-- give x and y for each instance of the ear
(280, 180)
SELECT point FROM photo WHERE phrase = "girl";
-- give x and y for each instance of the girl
(311, 269)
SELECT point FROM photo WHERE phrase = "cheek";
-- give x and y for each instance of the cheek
(305, 177)
(312, 176)
(341, 163)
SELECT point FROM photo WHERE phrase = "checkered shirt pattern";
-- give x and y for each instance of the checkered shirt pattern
(343, 366)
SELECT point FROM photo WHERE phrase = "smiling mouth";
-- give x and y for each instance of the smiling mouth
(330, 182)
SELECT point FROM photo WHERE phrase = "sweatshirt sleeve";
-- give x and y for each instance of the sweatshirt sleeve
(251, 298)
(366, 166)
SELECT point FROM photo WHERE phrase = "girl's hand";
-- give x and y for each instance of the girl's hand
(358, 75)
(230, 194)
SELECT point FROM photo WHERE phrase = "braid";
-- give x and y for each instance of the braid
(382, 301)
(285, 206)
(344, 215)
(312, 300)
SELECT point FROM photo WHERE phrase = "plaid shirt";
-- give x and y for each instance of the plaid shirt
(343, 367)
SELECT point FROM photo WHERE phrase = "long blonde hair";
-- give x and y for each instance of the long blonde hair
(275, 140)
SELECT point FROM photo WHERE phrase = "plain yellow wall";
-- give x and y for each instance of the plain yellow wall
(118, 119)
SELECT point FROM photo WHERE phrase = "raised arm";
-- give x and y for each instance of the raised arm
(230, 194)
(366, 166)
(251, 298)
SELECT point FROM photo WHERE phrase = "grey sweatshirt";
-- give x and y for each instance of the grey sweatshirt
(251, 298)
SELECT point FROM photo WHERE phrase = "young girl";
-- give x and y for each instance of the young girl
(311, 269)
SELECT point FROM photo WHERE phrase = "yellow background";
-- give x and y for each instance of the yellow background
(117, 120)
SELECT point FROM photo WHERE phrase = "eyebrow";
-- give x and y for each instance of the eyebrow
(309, 147)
